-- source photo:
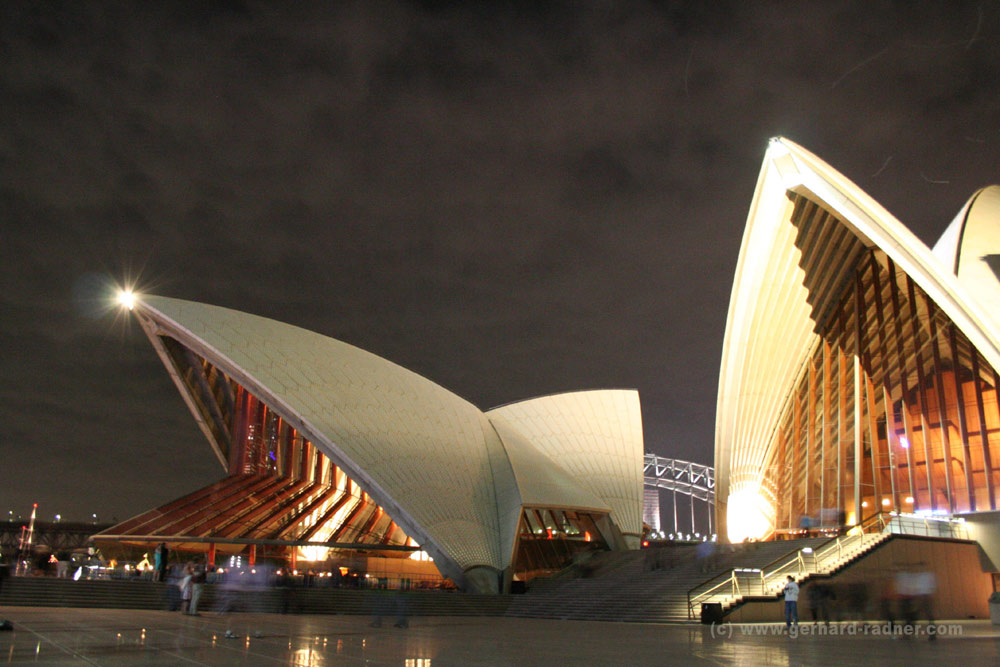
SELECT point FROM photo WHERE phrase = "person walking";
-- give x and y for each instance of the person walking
(186, 588)
(160, 557)
(157, 559)
(791, 592)
(197, 585)
(819, 596)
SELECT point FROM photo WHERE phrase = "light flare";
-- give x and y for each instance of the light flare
(126, 297)
(749, 515)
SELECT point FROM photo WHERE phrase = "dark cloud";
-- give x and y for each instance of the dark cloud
(512, 199)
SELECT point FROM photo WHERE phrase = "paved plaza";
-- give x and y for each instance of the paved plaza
(64, 636)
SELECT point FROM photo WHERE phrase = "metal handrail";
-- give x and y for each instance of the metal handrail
(842, 543)
(730, 577)
(910, 524)
(827, 556)
(727, 578)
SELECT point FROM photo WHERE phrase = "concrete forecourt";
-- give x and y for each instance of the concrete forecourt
(123, 637)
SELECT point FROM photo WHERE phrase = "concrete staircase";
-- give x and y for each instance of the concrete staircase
(620, 586)
(51, 592)
(755, 582)
(624, 588)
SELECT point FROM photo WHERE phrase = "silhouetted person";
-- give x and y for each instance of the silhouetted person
(386, 604)
(889, 600)
(173, 589)
(923, 587)
(915, 587)
(198, 577)
(186, 588)
(705, 552)
(160, 557)
(819, 596)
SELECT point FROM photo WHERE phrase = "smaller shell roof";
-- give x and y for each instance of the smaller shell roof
(970, 247)
(596, 436)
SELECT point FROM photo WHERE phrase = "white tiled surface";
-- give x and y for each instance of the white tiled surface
(769, 330)
(977, 227)
(542, 481)
(453, 480)
(595, 436)
(420, 448)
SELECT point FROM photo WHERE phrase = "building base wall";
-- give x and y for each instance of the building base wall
(984, 527)
(963, 587)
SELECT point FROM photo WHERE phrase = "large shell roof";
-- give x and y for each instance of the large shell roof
(770, 327)
(453, 480)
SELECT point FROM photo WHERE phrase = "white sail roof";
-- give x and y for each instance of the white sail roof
(454, 481)
(597, 437)
(770, 330)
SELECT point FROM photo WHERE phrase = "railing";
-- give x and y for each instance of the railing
(770, 580)
(925, 526)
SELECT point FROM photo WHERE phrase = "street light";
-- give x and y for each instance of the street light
(126, 297)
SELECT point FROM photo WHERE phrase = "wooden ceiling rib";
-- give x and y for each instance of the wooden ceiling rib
(279, 487)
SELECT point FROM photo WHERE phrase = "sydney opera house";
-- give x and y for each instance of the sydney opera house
(859, 379)
(860, 367)
(330, 450)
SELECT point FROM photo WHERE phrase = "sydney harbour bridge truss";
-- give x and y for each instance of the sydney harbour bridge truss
(694, 480)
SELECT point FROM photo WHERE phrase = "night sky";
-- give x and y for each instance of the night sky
(510, 201)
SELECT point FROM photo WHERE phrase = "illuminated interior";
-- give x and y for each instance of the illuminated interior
(548, 540)
(279, 487)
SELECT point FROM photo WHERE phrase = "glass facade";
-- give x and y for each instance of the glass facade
(894, 410)
(548, 540)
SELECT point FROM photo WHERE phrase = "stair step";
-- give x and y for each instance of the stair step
(621, 589)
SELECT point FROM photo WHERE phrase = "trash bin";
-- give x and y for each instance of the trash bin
(711, 613)
(995, 608)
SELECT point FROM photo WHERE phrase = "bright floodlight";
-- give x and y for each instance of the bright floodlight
(749, 514)
(127, 298)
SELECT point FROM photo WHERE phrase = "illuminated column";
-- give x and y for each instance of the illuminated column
(942, 406)
(675, 511)
(983, 431)
(858, 449)
(253, 555)
(859, 313)
(211, 554)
